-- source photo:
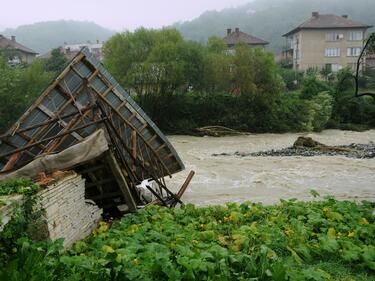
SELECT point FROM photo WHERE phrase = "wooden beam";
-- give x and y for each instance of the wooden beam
(184, 187)
(51, 138)
(61, 122)
(76, 60)
(134, 147)
(133, 128)
(121, 181)
(41, 124)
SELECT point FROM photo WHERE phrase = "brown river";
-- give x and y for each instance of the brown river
(267, 179)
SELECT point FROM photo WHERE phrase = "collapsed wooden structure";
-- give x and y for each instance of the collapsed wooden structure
(83, 99)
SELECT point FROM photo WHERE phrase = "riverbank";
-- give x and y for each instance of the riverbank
(354, 150)
(267, 179)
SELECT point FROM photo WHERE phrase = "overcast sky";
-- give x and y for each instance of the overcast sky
(114, 14)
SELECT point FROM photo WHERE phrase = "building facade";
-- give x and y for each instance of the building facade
(15, 52)
(71, 50)
(325, 42)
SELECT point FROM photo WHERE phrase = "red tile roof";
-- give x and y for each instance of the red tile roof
(237, 37)
(8, 43)
(318, 21)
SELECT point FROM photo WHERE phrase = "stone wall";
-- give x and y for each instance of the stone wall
(67, 214)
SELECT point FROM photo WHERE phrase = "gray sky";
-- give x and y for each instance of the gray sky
(113, 14)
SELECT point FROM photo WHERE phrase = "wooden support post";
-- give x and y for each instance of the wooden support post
(184, 187)
(121, 181)
(134, 148)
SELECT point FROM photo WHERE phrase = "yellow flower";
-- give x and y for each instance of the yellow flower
(288, 232)
(331, 232)
(235, 248)
(107, 249)
(364, 221)
(222, 241)
(325, 209)
(136, 262)
(351, 234)
(234, 216)
(119, 258)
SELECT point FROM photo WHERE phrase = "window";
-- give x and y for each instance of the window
(333, 67)
(354, 52)
(336, 67)
(332, 52)
(333, 36)
(355, 35)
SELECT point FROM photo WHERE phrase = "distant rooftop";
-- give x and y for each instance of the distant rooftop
(318, 21)
(236, 37)
(13, 44)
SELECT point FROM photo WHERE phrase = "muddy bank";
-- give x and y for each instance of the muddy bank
(266, 179)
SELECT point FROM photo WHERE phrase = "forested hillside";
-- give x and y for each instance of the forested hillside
(270, 19)
(44, 36)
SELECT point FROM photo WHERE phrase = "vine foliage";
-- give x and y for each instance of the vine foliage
(25, 215)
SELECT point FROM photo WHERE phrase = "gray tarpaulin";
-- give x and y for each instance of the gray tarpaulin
(88, 149)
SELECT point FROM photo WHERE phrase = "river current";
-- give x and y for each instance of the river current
(222, 179)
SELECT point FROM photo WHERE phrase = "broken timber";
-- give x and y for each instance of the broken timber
(83, 99)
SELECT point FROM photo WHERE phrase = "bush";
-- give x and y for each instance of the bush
(311, 86)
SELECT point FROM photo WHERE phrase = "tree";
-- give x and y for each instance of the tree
(312, 85)
(56, 62)
(216, 45)
(18, 88)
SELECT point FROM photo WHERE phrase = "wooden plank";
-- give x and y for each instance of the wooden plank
(161, 147)
(106, 92)
(12, 160)
(134, 147)
(51, 138)
(133, 128)
(184, 187)
(76, 60)
(72, 123)
(61, 122)
(121, 181)
(41, 124)
(122, 104)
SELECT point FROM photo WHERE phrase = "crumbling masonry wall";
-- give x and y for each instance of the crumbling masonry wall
(66, 212)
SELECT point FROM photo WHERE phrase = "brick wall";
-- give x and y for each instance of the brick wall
(67, 214)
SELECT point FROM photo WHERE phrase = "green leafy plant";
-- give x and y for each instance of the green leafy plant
(321, 240)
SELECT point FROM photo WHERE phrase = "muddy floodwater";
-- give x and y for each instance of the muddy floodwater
(267, 179)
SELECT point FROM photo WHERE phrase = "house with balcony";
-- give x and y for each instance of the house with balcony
(325, 41)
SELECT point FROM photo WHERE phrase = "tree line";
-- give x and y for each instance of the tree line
(183, 85)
